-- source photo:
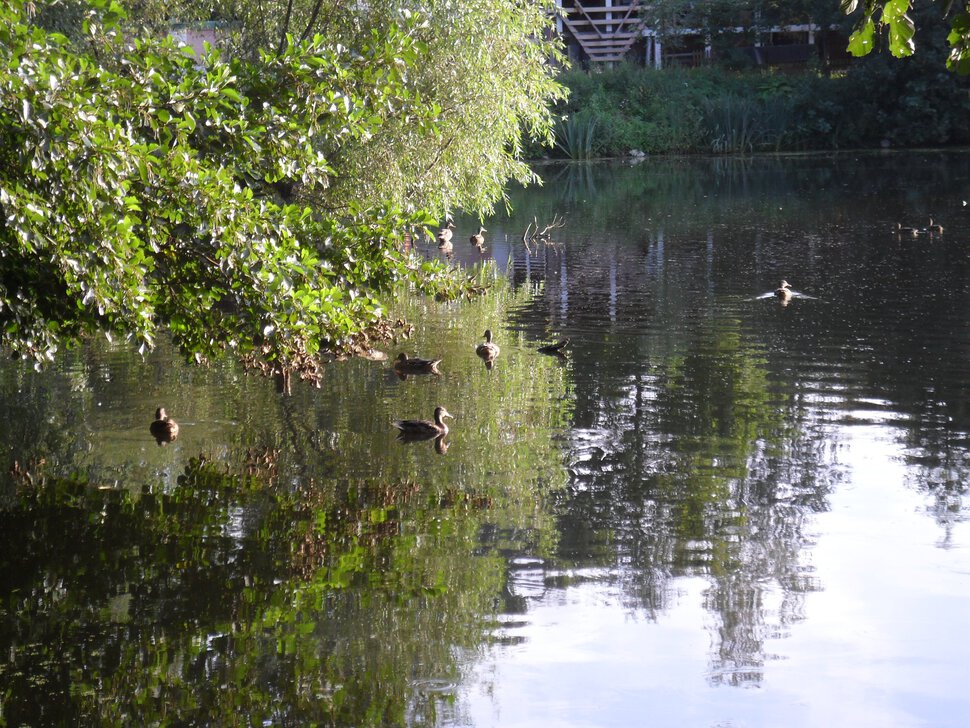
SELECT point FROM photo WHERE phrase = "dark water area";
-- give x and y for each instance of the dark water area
(718, 509)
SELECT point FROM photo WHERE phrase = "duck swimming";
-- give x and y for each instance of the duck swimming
(478, 240)
(488, 351)
(413, 365)
(424, 429)
(557, 349)
(164, 429)
(445, 234)
(783, 292)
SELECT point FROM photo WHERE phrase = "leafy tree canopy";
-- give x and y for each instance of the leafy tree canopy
(251, 202)
(895, 17)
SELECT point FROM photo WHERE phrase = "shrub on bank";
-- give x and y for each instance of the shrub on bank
(877, 101)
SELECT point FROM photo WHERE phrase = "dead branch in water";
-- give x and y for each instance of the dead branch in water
(534, 235)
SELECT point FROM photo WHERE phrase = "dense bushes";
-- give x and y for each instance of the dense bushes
(907, 103)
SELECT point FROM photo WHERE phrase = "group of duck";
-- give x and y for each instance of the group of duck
(446, 234)
(436, 428)
(165, 430)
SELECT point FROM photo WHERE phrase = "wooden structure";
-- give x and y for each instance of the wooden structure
(611, 31)
(605, 29)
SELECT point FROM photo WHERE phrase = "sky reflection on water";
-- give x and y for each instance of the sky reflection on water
(880, 643)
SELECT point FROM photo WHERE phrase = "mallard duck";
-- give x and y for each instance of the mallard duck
(478, 240)
(445, 234)
(783, 292)
(164, 429)
(488, 350)
(424, 429)
(405, 365)
(935, 227)
(557, 349)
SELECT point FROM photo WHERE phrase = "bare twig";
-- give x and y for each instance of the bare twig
(535, 235)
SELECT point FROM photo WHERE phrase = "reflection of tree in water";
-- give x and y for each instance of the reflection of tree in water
(698, 468)
(940, 466)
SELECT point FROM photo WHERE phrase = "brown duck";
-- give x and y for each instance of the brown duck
(488, 351)
(557, 349)
(424, 429)
(445, 234)
(783, 292)
(478, 240)
(164, 429)
(413, 365)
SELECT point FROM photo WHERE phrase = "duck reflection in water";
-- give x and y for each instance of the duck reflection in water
(164, 429)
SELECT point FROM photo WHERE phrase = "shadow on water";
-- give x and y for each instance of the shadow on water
(288, 561)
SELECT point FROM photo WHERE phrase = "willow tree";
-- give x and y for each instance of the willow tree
(249, 202)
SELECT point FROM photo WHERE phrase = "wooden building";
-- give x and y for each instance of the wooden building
(611, 31)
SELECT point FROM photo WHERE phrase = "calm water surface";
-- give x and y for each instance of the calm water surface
(717, 511)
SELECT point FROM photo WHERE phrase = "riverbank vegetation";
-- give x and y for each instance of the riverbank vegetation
(730, 107)
(253, 201)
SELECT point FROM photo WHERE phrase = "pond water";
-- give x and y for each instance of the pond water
(716, 510)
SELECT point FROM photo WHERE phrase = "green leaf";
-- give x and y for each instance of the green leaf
(901, 32)
(861, 40)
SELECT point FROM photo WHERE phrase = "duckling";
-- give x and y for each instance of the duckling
(478, 240)
(488, 351)
(164, 429)
(783, 292)
(405, 365)
(557, 349)
(424, 429)
(445, 234)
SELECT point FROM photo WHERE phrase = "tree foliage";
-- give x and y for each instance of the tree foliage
(249, 203)
(895, 17)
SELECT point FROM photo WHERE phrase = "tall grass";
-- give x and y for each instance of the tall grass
(576, 135)
(731, 124)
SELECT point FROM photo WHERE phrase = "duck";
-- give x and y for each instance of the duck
(478, 240)
(557, 349)
(935, 227)
(488, 350)
(783, 292)
(424, 429)
(445, 234)
(901, 229)
(405, 365)
(164, 429)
